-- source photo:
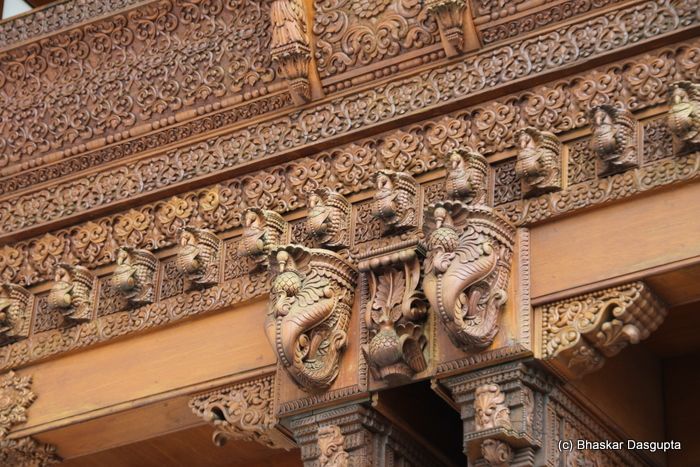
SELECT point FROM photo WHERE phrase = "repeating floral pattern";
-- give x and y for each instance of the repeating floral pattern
(581, 162)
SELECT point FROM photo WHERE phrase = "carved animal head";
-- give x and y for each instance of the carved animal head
(395, 199)
(466, 176)
(263, 230)
(134, 274)
(684, 112)
(72, 292)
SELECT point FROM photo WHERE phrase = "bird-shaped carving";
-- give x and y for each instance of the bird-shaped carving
(395, 199)
(538, 163)
(72, 294)
(684, 112)
(15, 313)
(134, 275)
(263, 231)
(198, 256)
(466, 176)
(612, 140)
(328, 219)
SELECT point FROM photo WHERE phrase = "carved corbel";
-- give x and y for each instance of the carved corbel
(27, 452)
(16, 396)
(579, 332)
(539, 161)
(134, 276)
(684, 112)
(263, 231)
(290, 48)
(457, 31)
(614, 133)
(243, 412)
(311, 299)
(15, 313)
(198, 257)
(469, 251)
(73, 293)
(396, 200)
(328, 221)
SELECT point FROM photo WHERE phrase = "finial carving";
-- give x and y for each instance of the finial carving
(490, 408)
(450, 18)
(134, 276)
(394, 315)
(539, 161)
(331, 444)
(15, 398)
(72, 293)
(198, 257)
(290, 48)
(613, 139)
(309, 312)
(467, 172)
(496, 453)
(395, 201)
(328, 221)
(15, 313)
(684, 111)
(263, 231)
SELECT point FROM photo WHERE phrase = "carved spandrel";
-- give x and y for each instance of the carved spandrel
(199, 257)
(134, 276)
(539, 161)
(328, 219)
(580, 332)
(684, 112)
(16, 304)
(263, 231)
(308, 314)
(613, 139)
(72, 293)
(396, 200)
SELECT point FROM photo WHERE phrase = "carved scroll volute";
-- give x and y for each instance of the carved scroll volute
(72, 293)
(457, 31)
(684, 112)
(308, 315)
(469, 252)
(198, 257)
(539, 161)
(396, 200)
(328, 220)
(263, 231)
(16, 304)
(134, 276)
(613, 139)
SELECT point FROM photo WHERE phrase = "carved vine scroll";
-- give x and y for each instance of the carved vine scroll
(27, 452)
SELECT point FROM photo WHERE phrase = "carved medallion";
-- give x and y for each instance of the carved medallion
(27, 452)
(395, 201)
(198, 257)
(289, 47)
(134, 276)
(72, 293)
(331, 444)
(15, 313)
(684, 112)
(539, 161)
(15, 398)
(309, 312)
(614, 130)
(263, 231)
(328, 220)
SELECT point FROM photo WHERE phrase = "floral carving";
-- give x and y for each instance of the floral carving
(289, 46)
(72, 293)
(16, 304)
(331, 445)
(613, 139)
(263, 231)
(684, 112)
(450, 18)
(27, 452)
(396, 200)
(539, 161)
(199, 256)
(496, 453)
(490, 408)
(308, 315)
(134, 276)
(328, 220)
(15, 398)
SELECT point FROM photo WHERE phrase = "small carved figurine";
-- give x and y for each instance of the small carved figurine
(539, 161)
(328, 221)
(263, 231)
(466, 176)
(395, 200)
(15, 313)
(72, 293)
(134, 276)
(290, 47)
(614, 130)
(198, 257)
(684, 112)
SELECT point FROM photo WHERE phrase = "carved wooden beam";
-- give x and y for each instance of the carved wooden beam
(243, 412)
(27, 452)
(16, 396)
(579, 332)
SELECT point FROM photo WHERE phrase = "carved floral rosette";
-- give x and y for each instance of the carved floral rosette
(469, 252)
(308, 315)
(16, 304)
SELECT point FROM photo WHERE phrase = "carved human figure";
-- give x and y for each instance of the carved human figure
(612, 140)
(539, 161)
(263, 230)
(395, 200)
(15, 313)
(684, 112)
(490, 409)
(328, 219)
(330, 444)
(289, 46)
(72, 294)
(466, 176)
(134, 275)
(198, 256)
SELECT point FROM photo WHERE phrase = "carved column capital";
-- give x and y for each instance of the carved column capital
(16, 304)
(457, 31)
(27, 452)
(15, 398)
(73, 294)
(243, 412)
(579, 332)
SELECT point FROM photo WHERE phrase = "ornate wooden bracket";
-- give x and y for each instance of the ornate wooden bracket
(16, 396)
(579, 332)
(396, 200)
(134, 276)
(684, 112)
(73, 293)
(454, 19)
(539, 161)
(199, 257)
(613, 139)
(308, 315)
(469, 251)
(328, 220)
(15, 313)
(27, 452)
(263, 231)
(243, 412)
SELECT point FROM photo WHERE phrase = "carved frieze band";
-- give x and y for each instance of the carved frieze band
(580, 332)
(243, 412)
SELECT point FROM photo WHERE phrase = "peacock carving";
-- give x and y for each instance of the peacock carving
(328, 221)
(308, 315)
(395, 201)
(263, 230)
(612, 139)
(539, 161)
(15, 313)
(684, 112)
(72, 293)
(466, 176)
(198, 257)
(134, 276)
